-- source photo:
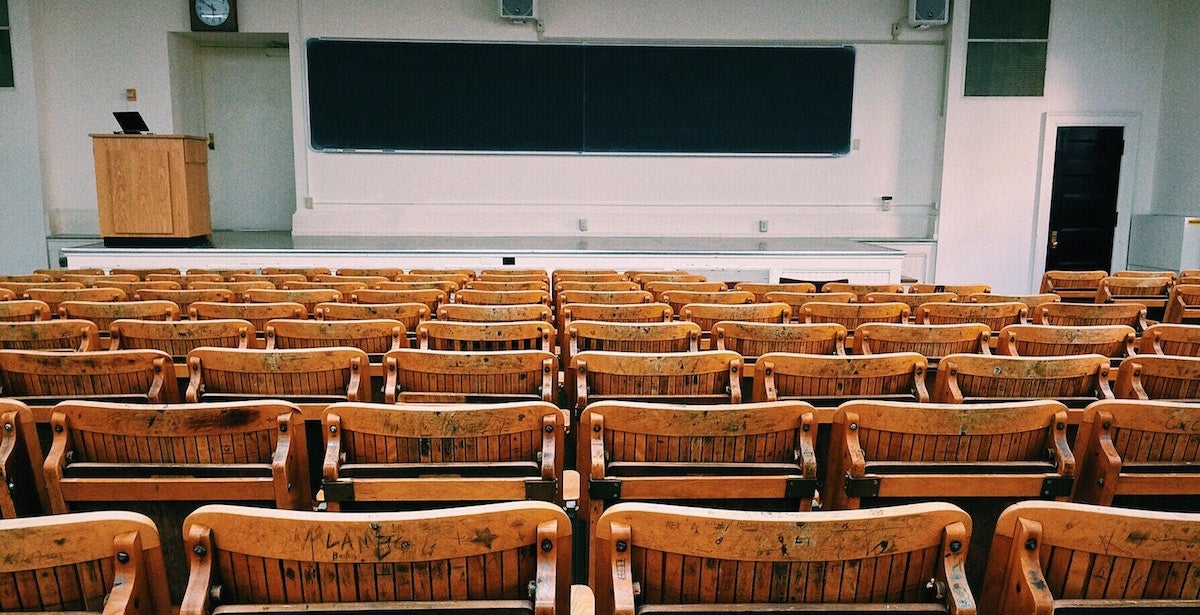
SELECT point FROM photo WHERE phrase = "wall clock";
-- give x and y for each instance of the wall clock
(213, 15)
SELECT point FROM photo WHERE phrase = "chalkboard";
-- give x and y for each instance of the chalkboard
(527, 97)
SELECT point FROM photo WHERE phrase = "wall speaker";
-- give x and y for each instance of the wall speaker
(925, 13)
(518, 10)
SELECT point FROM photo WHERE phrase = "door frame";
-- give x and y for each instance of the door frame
(1051, 122)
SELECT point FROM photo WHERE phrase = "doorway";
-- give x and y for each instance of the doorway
(1083, 197)
(248, 113)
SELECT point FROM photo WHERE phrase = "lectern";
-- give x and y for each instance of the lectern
(152, 190)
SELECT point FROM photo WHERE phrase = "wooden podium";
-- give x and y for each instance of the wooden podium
(152, 190)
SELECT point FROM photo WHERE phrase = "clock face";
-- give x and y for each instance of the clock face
(212, 12)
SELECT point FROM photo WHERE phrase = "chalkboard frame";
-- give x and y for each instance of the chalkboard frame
(579, 98)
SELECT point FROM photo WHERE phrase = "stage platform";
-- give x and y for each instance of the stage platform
(734, 259)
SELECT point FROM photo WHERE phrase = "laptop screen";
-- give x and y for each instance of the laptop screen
(131, 122)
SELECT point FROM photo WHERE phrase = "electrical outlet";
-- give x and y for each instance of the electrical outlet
(583, 224)
(885, 203)
(762, 226)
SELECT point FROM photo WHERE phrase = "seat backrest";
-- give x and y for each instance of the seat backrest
(604, 296)
(861, 290)
(502, 297)
(20, 288)
(931, 341)
(457, 377)
(782, 558)
(760, 290)
(409, 453)
(1158, 377)
(962, 291)
(679, 298)
(381, 557)
(851, 315)
(1083, 314)
(1183, 303)
(492, 283)
(658, 287)
(325, 374)
(622, 312)
(276, 280)
(185, 298)
(494, 313)
(644, 278)
(22, 310)
(237, 288)
(753, 339)
(617, 283)
(64, 334)
(375, 336)
(1137, 447)
(308, 297)
(224, 273)
(460, 278)
(939, 451)
(448, 287)
(1051, 340)
(55, 296)
(103, 313)
(22, 492)
(367, 280)
(185, 280)
(913, 300)
(486, 336)
(41, 377)
(708, 376)
(1149, 291)
(797, 300)
(179, 337)
(1075, 380)
(241, 451)
(131, 288)
(1072, 284)
(109, 562)
(1030, 301)
(409, 314)
(1173, 339)
(345, 288)
(583, 335)
(383, 272)
(307, 272)
(99, 280)
(256, 314)
(708, 314)
(825, 380)
(995, 315)
(1051, 555)
(142, 273)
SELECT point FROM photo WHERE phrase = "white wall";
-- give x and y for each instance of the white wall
(1177, 186)
(22, 222)
(1104, 58)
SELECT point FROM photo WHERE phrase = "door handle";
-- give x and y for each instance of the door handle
(1053, 240)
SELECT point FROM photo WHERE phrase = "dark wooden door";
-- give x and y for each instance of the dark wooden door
(1083, 198)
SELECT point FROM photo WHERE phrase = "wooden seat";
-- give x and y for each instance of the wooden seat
(72, 335)
(723, 456)
(185, 298)
(141, 273)
(7, 295)
(940, 451)
(1151, 292)
(431, 298)
(1139, 273)
(912, 300)
(1031, 301)
(237, 288)
(903, 559)
(110, 562)
(604, 296)
(586, 275)
(187, 279)
(1074, 380)
(22, 488)
(179, 337)
(501, 297)
(514, 272)
(482, 283)
(1137, 448)
(963, 291)
(224, 273)
(860, 290)
(494, 313)
(618, 284)
(931, 341)
(400, 455)
(56, 275)
(374, 337)
(1172, 339)
(409, 314)
(679, 298)
(486, 336)
(308, 297)
(754, 339)
(459, 278)
(1061, 557)
(797, 300)
(383, 272)
(760, 290)
(584, 335)
(644, 278)
(658, 287)
(851, 315)
(442, 376)
(24, 310)
(276, 280)
(131, 288)
(1077, 286)
(345, 288)
(99, 280)
(315, 375)
(1149, 376)
(307, 272)
(42, 378)
(1183, 304)
(708, 314)
(503, 558)
(368, 281)
(446, 286)
(995, 315)
(103, 313)
(54, 297)
(1114, 341)
(1079, 314)
(827, 381)
(705, 377)
(19, 288)
(257, 314)
(621, 312)
(34, 277)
